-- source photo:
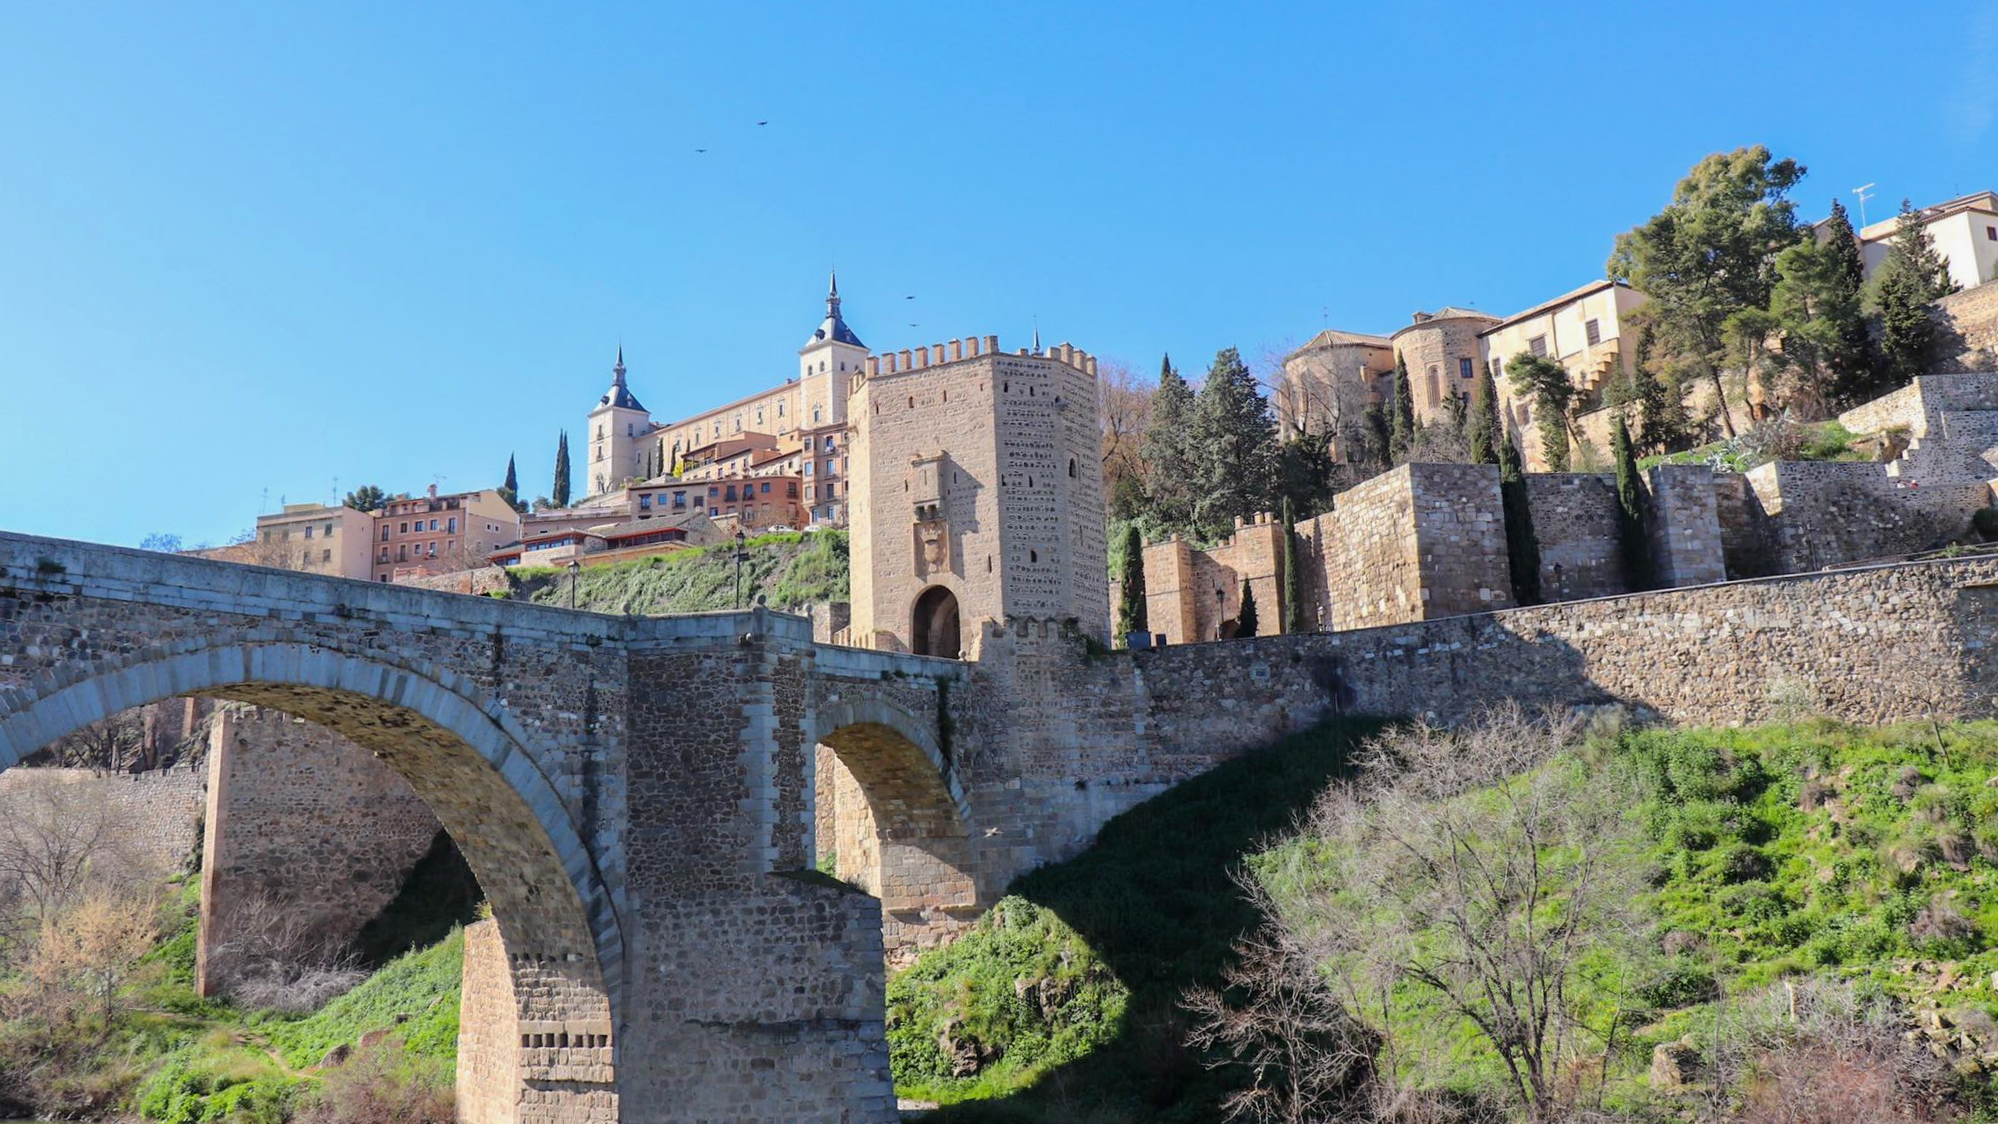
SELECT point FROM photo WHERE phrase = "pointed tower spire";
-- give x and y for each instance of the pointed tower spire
(1037, 335)
(617, 372)
(832, 296)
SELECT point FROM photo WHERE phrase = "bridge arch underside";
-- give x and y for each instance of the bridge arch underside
(554, 1060)
(891, 817)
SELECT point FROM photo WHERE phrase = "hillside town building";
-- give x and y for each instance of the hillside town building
(314, 538)
(805, 416)
(1965, 230)
(1329, 382)
(434, 534)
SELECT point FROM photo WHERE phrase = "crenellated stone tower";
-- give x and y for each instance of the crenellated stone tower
(977, 495)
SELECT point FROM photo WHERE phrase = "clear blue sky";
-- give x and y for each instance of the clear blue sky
(247, 249)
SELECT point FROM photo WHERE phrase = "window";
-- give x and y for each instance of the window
(815, 415)
(384, 554)
(1594, 330)
(1537, 345)
(1498, 365)
(404, 529)
(451, 525)
(1464, 369)
(808, 468)
(829, 442)
(730, 494)
(1991, 233)
(329, 530)
(645, 503)
(308, 530)
(385, 532)
(326, 556)
(766, 487)
(433, 524)
(793, 488)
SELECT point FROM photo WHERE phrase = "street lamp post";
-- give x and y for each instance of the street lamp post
(575, 571)
(741, 555)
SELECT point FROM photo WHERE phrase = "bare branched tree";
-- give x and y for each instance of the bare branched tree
(1307, 1060)
(54, 843)
(115, 743)
(276, 958)
(1815, 1053)
(1125, 401)
(1483, 870)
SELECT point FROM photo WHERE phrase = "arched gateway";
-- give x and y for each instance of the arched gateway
(633, 795)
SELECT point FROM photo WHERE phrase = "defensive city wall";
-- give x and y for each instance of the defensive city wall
(1426, 541)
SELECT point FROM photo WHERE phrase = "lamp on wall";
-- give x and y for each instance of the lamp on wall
(575, 571)
(741, 553)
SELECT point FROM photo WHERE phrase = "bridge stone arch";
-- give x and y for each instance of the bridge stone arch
(471, 762)
(900, 822)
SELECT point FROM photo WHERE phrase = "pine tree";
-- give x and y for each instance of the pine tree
(1633, 534)
(1401, 414)
(1170, 483)
(1913, 275)
(1234, 447)
(1852, 362)
(1483, 430)
(1131, 615)
(1245, 620)
(560, 497)
(1293, 578)
(1522, 547)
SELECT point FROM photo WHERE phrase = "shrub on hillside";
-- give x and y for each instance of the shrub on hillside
(381, 1085)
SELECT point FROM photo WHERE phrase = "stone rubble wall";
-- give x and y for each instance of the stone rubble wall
(154, 817)
(301, 816)
(1969, 329)
(1068, 739)
(1830, 513)
(479, 581)
(1577, 520)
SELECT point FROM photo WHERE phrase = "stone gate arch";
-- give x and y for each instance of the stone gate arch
(474, 766)
(898, 820)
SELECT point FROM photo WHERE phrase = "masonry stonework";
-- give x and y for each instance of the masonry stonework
(979, 483)
(155, 816)
(303, 819)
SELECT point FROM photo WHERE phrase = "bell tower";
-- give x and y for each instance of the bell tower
(614, 428)
(827, 364)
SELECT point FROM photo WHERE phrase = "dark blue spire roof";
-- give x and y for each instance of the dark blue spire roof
(834, 328)
(619, 395)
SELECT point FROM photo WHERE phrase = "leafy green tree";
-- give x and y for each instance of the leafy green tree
(1293, 578)
(561, 493)
(1171, 476)
(1545, 383)
(1522, 546)
(1708, 255)
(1633, 533)
(1913, 275)
(1483, 429)
(1234, 447)
(367, 497)
(1131, 615)
(1245, 620)
(1401, 414)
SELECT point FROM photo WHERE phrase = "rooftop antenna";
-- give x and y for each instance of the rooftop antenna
(334, 499)
(1864, 194)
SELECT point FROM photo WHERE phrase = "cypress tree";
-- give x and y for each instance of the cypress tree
(1522, 548)
(1401, 414)
(512, 484)
(1484, 432)
(1293, 579)
(560, 497)
(1245, 621)
(1632, 532)
(1913, 275)
(1168, 455)
(1131, 610)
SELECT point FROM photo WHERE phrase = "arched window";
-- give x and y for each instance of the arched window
(1071, 468)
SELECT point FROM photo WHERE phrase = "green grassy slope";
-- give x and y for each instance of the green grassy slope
(1865, 855)
(789, 571)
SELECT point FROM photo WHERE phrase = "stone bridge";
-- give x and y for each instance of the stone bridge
(636, 797)
(643, 799)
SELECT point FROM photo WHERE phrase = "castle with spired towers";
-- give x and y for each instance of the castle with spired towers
(969, 477)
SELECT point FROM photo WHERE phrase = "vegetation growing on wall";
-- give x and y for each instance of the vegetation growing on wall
(788, 571)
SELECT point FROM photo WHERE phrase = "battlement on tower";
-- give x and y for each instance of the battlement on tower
(970, 347)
